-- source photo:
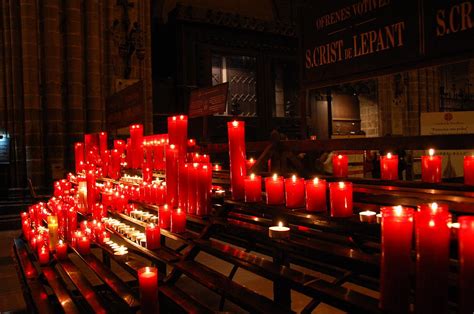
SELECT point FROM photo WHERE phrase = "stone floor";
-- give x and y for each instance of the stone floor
(11, 298)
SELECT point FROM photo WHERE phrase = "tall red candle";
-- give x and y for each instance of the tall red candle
(237, 157)
(178, 221)
(178, 133)
(91, 145)
(102, 143)
(469, 170)
(164, 216)
(466, 264)
(397, 231)
(148, 283)
(340, 164)
(294, 192)
(79, 156)
(115, 160)
(91, 189)
(389, 167)
(193, 173)
(275, 190)
(183, 186)
(136, 142)
(204, 190)
(152, 233)
(316, 195)
(431, 168)
(172, 155)
(340, 195)
(253, 188)
(432, 258)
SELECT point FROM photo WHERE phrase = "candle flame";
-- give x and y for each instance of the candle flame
(398, 210)
(181, 117)
(434, 207)
(389, 155)
(339, 156)
(174, 118)
(172, 146)
(60, 242)
(280, 224)
(195, 165)
(252, 176)
(251, 159)
(454, 225)
(431, 223)
(341, 184)
(293, 178)
(178, 210)
(166, 206)
(315, 181)
(431, 152)
(152, 225)
(235, 123)
(275, 177)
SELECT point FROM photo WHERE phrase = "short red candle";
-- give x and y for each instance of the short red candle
(61, 250)
(294, 192)
(469, 170)
(83, 245)
(152, 233)
(250, 162)
(431, 168)
(275, 190)
(79, 156)
(204, 190)
(148, 283)
(340, 164)
(172, 155)
(397, 231)
(178, 221)
(43, 255)
(432, 258)
(164, 217)
(341, 199)
(316, 195)
(217, 167)
(237, 157)
(389, 167)
(466, 263)
(253, 188)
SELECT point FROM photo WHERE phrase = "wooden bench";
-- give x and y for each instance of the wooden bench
(181, 301)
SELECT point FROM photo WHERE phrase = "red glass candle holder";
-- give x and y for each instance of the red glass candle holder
(178, 221)
(237, 157)
(152, 233)
(340, 166)
(469, 170)
(61, 250)
(148, 285)
(294, 192)
(275, 190)
(316, 195)
(431, 168)
(466, 263)
(253, 188)
(389, 167)
(340, 196)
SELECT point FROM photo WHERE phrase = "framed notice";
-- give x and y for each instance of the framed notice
(208, 101)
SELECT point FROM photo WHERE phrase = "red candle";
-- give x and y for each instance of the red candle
(341, 199)
(397, 229)
(147, 174)
(178, 133)
(275, 190)
(253, 188)
(148, 283)
(178, 221)
(172, 155)
(431, 168)
(164, 217)
(466, 263)
(83, 245)
(136, 142)
(217, 167)
(183, 186)
(250, 162)
(43, 255)
(469, 170)
(91, 145)
(159, 154)
(193, 172)
(204, 190)
(294, 192)
(389, 167)
(152, 233)
(340, 165)
(236, 134)
(316, 195)
(432, 258)
(102, 143)
(191, 142)
(91, 189)
(79, 156)
(61, 250)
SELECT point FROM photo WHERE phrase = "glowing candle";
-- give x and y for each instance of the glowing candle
(53, 231)
(152, 232)
(340, 165)
(432, 258)
(250, 162)
(83, 245)
(275, 190)
(431, 167)
(389, 167)
(236, 134)
(469, 170)
(136, 142)
(148, 283)
(367, 216)
(466, 263)
(397, 230)
(178, 221)
(183, 186)
(316, 195)
(279, 232)
(340, 199)
(43, 255)
(164, 217)
(172, 155)
(102, 144)
(61, 250)
(79, 156)
(253, 188)
(204, 190)
(193, 173)
(294, 192)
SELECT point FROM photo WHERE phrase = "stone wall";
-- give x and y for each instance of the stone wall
(59, 61)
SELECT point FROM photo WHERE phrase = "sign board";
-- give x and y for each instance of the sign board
(438, 123)
(125, 107)
(208, 101)
(343, 40)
